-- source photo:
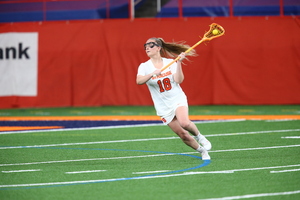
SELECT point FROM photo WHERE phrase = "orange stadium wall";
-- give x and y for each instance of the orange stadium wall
(94, 62)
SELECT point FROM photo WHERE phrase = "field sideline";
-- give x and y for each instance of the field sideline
(126, 153)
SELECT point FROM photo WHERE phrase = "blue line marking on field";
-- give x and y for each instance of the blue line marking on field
(81, 124)
(78, 123)
(205, 163)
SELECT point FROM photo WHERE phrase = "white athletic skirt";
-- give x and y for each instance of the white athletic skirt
(166, 119)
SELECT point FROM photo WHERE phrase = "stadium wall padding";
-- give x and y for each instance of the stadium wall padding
(94, 62)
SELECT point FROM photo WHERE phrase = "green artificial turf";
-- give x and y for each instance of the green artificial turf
(243, 156)
(149, 110)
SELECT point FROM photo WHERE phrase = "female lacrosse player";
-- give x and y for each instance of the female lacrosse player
(169, 99)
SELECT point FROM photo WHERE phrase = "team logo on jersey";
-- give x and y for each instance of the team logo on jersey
(162, 75)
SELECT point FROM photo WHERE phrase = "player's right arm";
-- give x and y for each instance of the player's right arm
(140, 79)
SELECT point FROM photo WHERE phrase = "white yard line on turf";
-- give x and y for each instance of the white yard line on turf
(87, 143)
(83, 160)
(144, 156)
(291, 137)
(257, 148)
(148, 139)
(113, 127)
(17, 171)
(247, 196)
(220, 172)
(254, 169)
(281, 120)
(289, 170)
(142, 177)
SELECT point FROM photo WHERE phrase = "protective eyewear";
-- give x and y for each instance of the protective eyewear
(150, 44)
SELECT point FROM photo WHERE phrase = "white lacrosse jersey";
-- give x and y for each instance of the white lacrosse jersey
(166, 94)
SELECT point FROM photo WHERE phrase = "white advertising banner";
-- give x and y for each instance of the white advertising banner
(18, 64)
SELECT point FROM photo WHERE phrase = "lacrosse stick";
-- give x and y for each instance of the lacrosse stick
(215, 31)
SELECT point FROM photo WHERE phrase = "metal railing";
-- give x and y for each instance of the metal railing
(46, 10)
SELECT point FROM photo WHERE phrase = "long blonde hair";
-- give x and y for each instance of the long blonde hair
(173, 49)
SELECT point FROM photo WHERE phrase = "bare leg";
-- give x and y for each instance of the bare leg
(182, 116)
(188, 139)
(185, 122)
(183, 134)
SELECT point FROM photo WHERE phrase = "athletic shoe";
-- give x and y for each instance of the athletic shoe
(205, 155)
(204, 142)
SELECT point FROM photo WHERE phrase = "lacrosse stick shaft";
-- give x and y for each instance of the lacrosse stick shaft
(206, 37)
(178, 57)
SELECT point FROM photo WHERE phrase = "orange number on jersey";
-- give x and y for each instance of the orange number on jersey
(164, 85)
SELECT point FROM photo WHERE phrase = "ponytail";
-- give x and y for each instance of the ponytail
(173, 49)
